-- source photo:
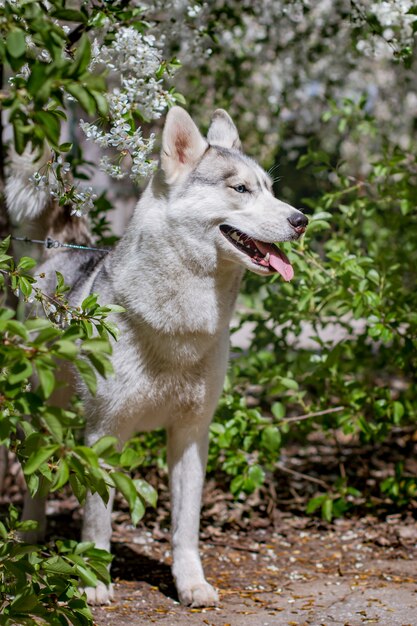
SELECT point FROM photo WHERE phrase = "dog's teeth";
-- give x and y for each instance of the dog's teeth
(267, 257)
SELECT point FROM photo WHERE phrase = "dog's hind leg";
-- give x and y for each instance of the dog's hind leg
(187, 458)
(97, 528)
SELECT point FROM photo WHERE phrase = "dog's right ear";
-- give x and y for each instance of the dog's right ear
(182, 145)
(223, 132)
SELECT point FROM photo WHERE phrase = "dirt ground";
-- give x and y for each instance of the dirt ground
(272, 564)
(348, 573)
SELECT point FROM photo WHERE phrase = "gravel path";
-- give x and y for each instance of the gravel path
(350, 573)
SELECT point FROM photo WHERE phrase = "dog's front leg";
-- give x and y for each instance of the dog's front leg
(97, 528)
(187, 458)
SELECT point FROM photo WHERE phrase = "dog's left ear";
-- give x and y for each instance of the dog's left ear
(182, 145)
(222, 131)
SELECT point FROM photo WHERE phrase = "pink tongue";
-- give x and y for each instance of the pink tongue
(277, 259)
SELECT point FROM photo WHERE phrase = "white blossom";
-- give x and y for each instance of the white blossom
(133, 60)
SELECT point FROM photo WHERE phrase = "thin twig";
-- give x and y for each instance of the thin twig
(233, 546)
(318, 481)
(299, 418)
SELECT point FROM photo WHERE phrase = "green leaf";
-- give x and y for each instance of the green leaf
(20, 136)
(271, 438)
(6, 314)
(26, 263)
(88, 375)
(256, 474)
(114, 308)
(78, 488)
(65, 147)
(128, 488)
(278, 410)
(38, 457)
(89, 302)
(101, 103)
(54, 426)
(146, 491)
(398, 412)
(289, 383)
(236, 485)
(70, 15)
(25, 286)
(130, 458)
(105, 445)
(88, 455)
(138, 511)
(15, 43)
(58, 565)
(24, 602)
(81, 94)
(37, 79)
(97, 345)
(46, 378)
(61, 287)
(5, 244)
(318, 225)
(321, 215)
(327, 510)
(46, 334)
(82, 57)
(3, 531)
(61, 476)
(314, 504)
(66, 349)
(17, 328)
(50, 124)
(102, 364)
(112, 329)
(20, 371)
(87, 576)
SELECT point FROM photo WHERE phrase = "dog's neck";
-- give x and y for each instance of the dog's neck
(169, 279)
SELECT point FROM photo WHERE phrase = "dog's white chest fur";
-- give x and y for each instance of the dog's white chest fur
(171, 357)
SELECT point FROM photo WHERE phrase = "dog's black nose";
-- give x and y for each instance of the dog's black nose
(298, 221)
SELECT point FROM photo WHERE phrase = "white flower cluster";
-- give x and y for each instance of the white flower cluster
(51, 178)
(57, 311)
(133, 61)
(292, 57)
(82, 201)
(397, 24)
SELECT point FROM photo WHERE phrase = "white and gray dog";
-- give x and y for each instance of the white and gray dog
(207, 214)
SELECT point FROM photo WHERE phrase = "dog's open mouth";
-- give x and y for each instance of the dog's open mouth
(267, 255)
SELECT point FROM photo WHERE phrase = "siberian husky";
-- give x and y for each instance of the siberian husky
(207, 214)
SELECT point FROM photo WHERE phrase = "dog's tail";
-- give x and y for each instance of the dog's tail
(34, 211)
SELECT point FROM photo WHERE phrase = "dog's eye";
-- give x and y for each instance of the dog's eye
(240, 188)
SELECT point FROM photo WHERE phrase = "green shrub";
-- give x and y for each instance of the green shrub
(38, 582)
(354, 301)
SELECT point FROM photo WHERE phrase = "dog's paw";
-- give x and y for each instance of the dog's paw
(202, 594)
(102, 594)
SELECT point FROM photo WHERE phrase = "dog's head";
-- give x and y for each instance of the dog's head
(231, 191)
